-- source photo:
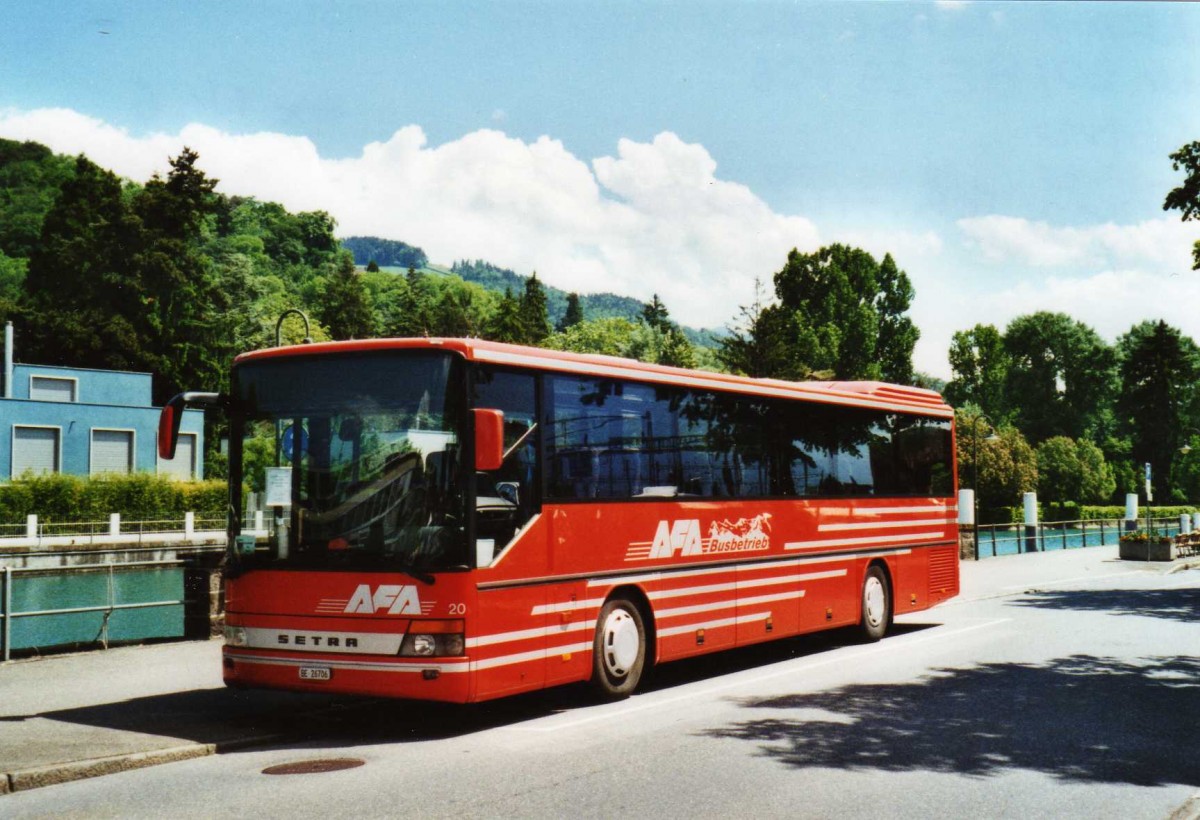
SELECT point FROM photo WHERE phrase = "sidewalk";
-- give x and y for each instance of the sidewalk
(66, 717)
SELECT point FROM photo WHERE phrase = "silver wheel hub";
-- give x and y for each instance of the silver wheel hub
(621, 643)
(874, 601)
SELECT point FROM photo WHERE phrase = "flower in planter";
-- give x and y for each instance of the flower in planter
(1143, 537)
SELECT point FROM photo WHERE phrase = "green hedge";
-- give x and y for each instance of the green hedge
(1049, 513)
(140, 496)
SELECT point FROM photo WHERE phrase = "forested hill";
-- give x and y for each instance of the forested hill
(386, 253)
(389, 253)
(595, 305)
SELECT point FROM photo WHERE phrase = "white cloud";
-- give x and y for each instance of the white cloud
(1110, 302)
(1161, 245)
(655, 218)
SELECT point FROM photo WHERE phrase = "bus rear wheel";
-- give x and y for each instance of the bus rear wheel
(619, 651)
(876, 605)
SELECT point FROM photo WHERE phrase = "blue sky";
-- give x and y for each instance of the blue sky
(1011, 156)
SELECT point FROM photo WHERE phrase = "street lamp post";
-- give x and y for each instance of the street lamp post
(975, 476)
(975, 482)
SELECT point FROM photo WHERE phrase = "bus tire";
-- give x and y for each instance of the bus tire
(619, 650)
(876, 605)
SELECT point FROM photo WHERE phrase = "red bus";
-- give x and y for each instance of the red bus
(466, 519)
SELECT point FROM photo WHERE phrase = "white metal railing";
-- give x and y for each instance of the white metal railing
(191, 529)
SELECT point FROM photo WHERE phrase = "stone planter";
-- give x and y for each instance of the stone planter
(1149, 550)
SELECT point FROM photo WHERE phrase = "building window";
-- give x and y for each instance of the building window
(36, 450)
(53, 388)
(183, 466)
(112, 451)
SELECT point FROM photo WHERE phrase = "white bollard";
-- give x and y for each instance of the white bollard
(1031, 522)
(31, 526)
(1131, 512)
(189, 525)
(1185, 523)
(114, 524)
(259, 524)
(966, 508)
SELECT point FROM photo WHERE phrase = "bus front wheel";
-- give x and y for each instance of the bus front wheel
(876, 605)
(619, 651)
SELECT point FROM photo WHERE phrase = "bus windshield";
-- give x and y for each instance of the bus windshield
(364, 448)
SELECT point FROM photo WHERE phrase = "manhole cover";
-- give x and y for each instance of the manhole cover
(333, 764)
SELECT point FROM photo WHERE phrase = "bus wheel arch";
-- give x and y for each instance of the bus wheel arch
(877, 602)
(623, 644)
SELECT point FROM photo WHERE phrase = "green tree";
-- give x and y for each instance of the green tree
(1097, 480)
(573, 314)
(30, 178)
(655, 314)
(1060, 376)
(759, 342)
(83, 309)
(193, 306)
(346, 305)
(844, 315)
(1007, 467)
(1059, 478)
(897, 333)
(1158, 367)
(535, 320)
(507, 324)
(372, 267)
(1186, 198)
(980, 366)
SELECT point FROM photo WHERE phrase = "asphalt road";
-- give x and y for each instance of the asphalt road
(1082, 700)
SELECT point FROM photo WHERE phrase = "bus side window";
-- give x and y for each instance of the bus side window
(506, 498)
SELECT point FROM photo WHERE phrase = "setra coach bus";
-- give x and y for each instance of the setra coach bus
(466, 519)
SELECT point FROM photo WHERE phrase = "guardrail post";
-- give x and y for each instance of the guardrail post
(31, 526)
(114, 524)
(189, 526)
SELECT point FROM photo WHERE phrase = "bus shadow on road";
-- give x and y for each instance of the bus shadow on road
(406, 721)
(1173, 604)
(248, 719)
(1079, 718)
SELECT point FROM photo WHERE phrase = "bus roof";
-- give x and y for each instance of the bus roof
(858, 394)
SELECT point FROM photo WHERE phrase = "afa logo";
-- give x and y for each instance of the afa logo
(678, 536)
(397, 600)
(686, 537)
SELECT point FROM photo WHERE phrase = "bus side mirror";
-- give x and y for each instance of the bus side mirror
(489, 439)
(168, 427)
(171, 417)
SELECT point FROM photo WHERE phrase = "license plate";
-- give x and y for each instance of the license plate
(315, 673)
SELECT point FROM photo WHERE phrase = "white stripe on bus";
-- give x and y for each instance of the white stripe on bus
(881, 525)
(686, 628)
(886, 540)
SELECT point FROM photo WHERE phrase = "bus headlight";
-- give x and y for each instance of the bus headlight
(419, 645)
(235, 636)
(426, 645)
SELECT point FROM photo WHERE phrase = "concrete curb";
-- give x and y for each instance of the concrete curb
(81, 769)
